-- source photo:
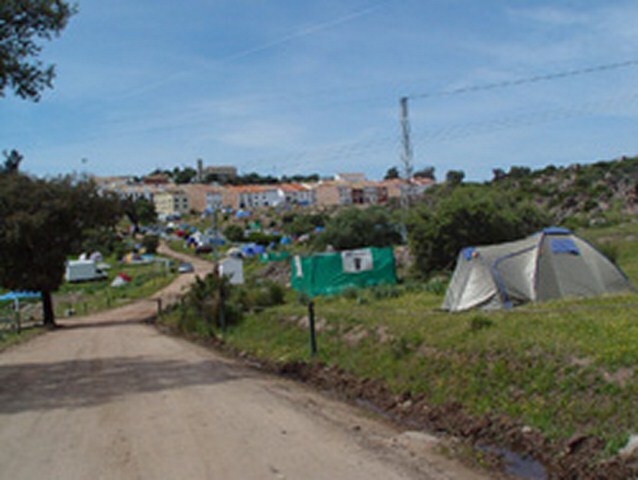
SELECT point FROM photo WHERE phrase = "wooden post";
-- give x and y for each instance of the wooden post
(313, 336)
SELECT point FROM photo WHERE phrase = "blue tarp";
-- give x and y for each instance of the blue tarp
(564, 245)
(556, 231)
(469, 253)
(18, 295)
(251, 250)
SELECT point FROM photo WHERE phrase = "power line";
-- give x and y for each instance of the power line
(527, 80)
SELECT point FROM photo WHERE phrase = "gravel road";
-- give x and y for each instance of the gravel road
(109, 397)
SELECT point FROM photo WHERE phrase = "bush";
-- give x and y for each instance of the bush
(355, 228)
(262, 295)
(234, 233)
(468, 216)
(202, 309)
(150, 243)
(263, 238)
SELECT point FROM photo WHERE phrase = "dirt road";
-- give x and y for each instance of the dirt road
(109, 397)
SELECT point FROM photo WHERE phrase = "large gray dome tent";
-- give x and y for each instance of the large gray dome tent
(553, 263)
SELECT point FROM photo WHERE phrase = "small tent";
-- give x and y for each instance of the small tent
(550, 264)
(330, 273)
(233, 268)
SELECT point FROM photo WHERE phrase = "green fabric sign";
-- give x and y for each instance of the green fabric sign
(330, 273)
(274, 257)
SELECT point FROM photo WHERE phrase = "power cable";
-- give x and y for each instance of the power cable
(527, 80)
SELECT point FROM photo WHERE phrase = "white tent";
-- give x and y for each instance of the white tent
(234, 268)
(553, 263)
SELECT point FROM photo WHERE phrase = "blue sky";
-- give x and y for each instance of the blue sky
(285, 87)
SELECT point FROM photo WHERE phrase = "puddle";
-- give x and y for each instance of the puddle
(522, 467)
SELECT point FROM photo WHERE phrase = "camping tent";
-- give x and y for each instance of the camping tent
(330, 273)
(553, 263)
(233, 268)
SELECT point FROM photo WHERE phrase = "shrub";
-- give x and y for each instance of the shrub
(234, 233)
(150, 243)
(469, 215)
(355, 228)
(208, 303)
(262, 295)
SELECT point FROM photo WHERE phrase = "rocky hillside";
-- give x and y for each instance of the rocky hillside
(579, 194)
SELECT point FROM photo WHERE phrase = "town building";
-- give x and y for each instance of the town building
(171, 202)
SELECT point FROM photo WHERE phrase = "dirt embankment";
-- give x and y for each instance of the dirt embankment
(498, 440)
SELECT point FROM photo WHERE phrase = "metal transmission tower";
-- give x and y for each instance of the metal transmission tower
(406, 154)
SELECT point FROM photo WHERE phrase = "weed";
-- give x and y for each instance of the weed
(480, 322)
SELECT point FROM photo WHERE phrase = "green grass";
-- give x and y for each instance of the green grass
(562, 367)
(90, 297)
(11, 338)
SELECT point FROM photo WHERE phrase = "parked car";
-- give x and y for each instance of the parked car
(185, 267)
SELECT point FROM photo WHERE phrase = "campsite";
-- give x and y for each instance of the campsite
(535, 378)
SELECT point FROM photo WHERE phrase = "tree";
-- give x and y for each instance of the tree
(185, 175)
(469, 215)
(150, 243)
(234, 233)
(392, 173)
(12, 161)
(427, 172)
(354, 228)
(22, 24)
(140, 211)
(498, 174)
(454, 177)
(42, 222)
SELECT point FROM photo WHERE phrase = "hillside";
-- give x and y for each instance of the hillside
(578, 195)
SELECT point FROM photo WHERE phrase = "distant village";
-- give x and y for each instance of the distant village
(171, 199)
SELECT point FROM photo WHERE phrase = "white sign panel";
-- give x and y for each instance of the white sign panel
(355, 261)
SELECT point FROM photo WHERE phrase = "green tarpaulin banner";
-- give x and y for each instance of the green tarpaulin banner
(274, 257)
(330, 273)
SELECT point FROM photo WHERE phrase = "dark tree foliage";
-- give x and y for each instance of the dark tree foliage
(150, 243)
(454, 177)
(469, 216)
(139, 211)
(253, 178)
(392, 173)
(12, 161)
(42, 222)
(298, 224)
(427, 172)
(185, 175)
(498, 174)
(22, 24)
(355, 228)
(313, 177)
(234, 233)
(519, 172)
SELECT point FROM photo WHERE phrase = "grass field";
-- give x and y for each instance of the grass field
(564, 367)
(90, 297)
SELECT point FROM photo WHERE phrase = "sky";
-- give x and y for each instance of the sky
(283, 87)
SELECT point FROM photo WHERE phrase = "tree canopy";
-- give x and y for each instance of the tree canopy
(392, 173)
(468, 216)
(355, 228)
(140, 211)
(43, 222)
(22, 24)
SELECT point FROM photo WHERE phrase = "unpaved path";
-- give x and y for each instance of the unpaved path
(109, 397)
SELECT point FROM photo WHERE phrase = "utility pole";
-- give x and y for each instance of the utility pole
(406, 154)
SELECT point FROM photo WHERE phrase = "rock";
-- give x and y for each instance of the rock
(631, 448)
